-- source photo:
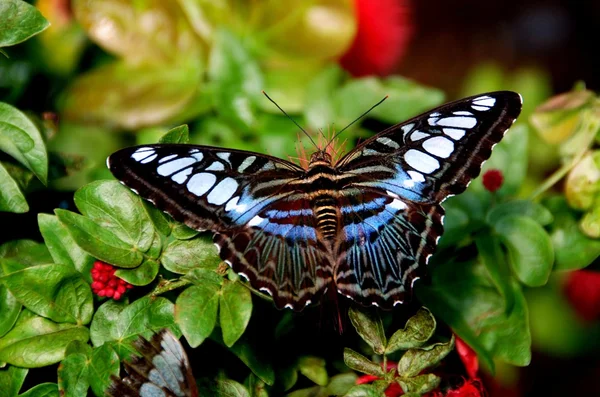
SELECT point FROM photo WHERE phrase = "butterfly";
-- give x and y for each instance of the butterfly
(161, 368)
(364, 225)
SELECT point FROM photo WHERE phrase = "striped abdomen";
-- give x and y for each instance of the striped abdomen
(324, 207)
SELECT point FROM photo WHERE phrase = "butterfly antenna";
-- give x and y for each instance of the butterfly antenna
(288, 116)
(358, 118)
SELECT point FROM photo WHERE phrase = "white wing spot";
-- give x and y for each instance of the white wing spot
(439, 146)
(421, 161)
(415, 136)
(463, 113)
(388, 142)
(142, 153)
(485, 101)
(266, 290)
(458, 122)
(416, 176)
(223, 191)
(233, 205)
(201, 183)
(175, 165)
(480, 108)
(454, 133)
(182, 176)
(224, 156)
(167, 158)
(257, 220)
(149, 159)
(370, 152)
(397, 204)
(216, 166)
(197, 155)
(246, 163)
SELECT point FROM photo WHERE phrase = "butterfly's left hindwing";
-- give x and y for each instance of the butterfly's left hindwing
(161, 369)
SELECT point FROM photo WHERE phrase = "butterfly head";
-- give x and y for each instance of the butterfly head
(320, 157)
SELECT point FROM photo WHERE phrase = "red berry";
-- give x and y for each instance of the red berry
(105, 283)
(492, 180)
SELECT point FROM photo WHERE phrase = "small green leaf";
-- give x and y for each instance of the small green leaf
(26, 252)
(314, 369)
(42, 390)
(196, 312)
(530, 209)
(98, 241)
(158, 218)
(20, 138)
(364, 391)
(529, 248)
(73, 373)
(416, 360)
(11, 197)
(54, 291)
(11, 380)
(236, 80)
(360, 363)
(20, 21)
(117, 210)
(122, 325)
(179, 134)
(144, 274)
(37, 342)
(420, 384)
(62, 247)
(182, 256)
(573, 249)
(9, 309)
(231, 388)
(104, 363)
(182, 232)
(369, 326)
(495, 262)
(235, 309)
(418, 329)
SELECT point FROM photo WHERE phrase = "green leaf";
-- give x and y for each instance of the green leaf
(251, 356)
(11, 197)
(235, 309)
(530, 209)
(20, 138)
(122, 325)
(132, 95)
(25, 252)
(104, 363)
(42, 390)
(116, 209)
(573, 249)
(231, 388)
(364, 391)
(463, 296)
(11, 380)
(314, 369)
(416, 360)
(420, 384)
(179, 134)
(340, 384)
(182, 256)
(158, 218)
(62, 247)
(73, 374)
(20, 21)
(144, 274)
(183, 232)
(196, 311)
(418, 329)
(236, 80)
(529, 248)
(360, 363)
(54, 291)
(495, 262)
(37, 342)
(406, 99)
(369, 326)
(98, 241)
(9, 309)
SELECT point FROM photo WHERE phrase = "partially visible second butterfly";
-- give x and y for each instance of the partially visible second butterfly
(161, 369)
(364, 225)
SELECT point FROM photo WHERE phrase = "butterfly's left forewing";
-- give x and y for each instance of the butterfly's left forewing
(392, 217)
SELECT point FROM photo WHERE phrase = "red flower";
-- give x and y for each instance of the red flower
(384, 30)
(582, 289)
(468, 357)
(105, 283)
(492, 180)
